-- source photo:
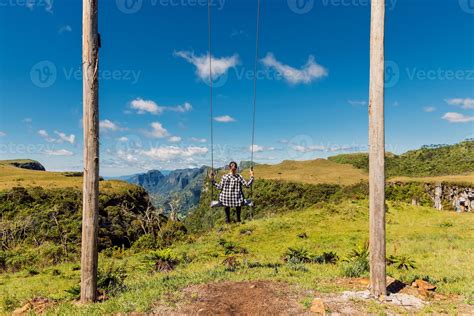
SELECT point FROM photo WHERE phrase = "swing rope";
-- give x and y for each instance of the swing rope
(209, 30)
(257, 38)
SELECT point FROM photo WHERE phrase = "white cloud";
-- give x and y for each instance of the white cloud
(308, 149)
(64, 29)
(171, 152)
(62, 137)
(157, 130)
(59, 152)
(307, 74)
(149, 106)
(143, 106)
(44, 134)
(66, 138)
(123, 139)
(258, 148)
(186, 107)
(224, 119)
(27, 120)
(107, 125)
(454, 117)
(220, 66)
(174, 139)
(429, 109)
(357, 103)
(198, 140)
(2, 134)
(467, 104)
(127, 156)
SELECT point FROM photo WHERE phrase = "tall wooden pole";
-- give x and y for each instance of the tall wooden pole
(377, 150)
(90, 205)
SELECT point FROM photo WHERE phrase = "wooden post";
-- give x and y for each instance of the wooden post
(90, 205)
(377, 150)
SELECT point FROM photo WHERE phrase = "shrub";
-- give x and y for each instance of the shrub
(231, 263)
(163, 260)
(296, 255)
(357, 263)
(326, 257)
(355, 268)
(111, 279)
(401, 262)
(231, 247)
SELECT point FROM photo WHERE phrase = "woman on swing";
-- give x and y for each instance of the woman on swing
(231, 190)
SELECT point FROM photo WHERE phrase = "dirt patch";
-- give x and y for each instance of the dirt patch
(238, 298)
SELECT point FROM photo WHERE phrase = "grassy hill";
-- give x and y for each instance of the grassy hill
(12, 176)
(41, 215)
(428, 161)
(311, 172)
(440, 243)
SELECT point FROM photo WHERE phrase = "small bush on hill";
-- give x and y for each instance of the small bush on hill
(163, 260)
(231, 247)
(296, 255)
(401, 262)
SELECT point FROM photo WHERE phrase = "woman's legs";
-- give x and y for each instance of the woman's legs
(238, 210)
(227, 214)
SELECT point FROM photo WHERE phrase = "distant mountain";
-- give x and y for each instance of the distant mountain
(181, 188)
(150, 181)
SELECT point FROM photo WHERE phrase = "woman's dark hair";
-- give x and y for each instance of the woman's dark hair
(233, 163)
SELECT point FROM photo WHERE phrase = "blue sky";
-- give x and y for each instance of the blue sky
(154, 99)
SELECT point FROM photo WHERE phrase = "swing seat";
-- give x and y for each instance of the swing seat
(216, 204)
(219, 203)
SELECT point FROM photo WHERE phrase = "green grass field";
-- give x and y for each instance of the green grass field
(441, 243)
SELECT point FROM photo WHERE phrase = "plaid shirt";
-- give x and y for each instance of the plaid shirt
(231, 189)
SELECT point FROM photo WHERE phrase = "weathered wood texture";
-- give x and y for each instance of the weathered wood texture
(90, 213)
(377, 150)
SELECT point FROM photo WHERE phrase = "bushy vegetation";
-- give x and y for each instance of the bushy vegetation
(414, 232)
(432, 160)
(273, 197)
(43, 226)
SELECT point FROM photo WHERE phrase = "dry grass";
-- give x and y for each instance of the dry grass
(312, 172)
(325, 171)
(11, 176)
